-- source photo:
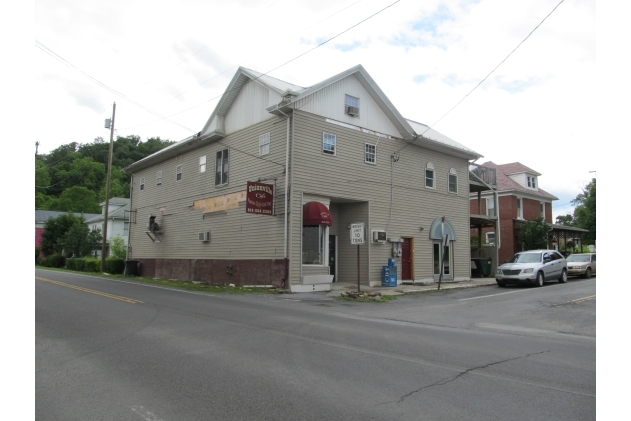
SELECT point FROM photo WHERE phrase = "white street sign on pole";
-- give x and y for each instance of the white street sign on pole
(357, 233)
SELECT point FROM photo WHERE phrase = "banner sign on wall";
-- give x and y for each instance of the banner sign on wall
(260, 199)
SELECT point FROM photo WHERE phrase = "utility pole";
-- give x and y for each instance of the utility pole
(36, 146)
(107, 186)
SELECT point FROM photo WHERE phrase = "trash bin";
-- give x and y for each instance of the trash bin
(485, 266)
(385, 276)
(476, 267)
(131, 267)
(393, 277)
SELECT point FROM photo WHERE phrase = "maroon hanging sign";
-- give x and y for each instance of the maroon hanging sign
(259, 198)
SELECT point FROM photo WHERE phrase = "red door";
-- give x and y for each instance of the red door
(406, 259)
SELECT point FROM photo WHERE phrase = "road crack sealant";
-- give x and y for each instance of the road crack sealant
(457, 376)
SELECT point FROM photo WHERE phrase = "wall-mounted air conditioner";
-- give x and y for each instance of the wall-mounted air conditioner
(204, 236)
(379, 236)
(352, 111)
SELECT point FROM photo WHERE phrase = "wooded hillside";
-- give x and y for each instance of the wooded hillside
(72, 177)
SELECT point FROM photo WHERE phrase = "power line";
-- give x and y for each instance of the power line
(486, 77)
(101, 84)
(275, 68)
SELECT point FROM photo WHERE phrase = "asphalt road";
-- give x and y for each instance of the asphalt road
(116, 350)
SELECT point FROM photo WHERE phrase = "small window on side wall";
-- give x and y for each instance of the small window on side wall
(159, 177)
(328, 143)
(429, 175)
(370, 153)
(202, 163)
(221, 168)
(453, 181)
(264, 142)
(142, 183)
(178, 173)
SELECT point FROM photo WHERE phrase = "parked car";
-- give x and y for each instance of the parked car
(532, 267)
(581, 264)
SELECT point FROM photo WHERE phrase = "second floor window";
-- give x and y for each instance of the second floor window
(264, 144)
(543, 210)
(202, 163)
(221, 168)
(370, 153)
(178, 173)
(490, 206)
(328, 143)
(429, 175)
(520, 212)
(453, 181)
(142, 183)
(159, 178)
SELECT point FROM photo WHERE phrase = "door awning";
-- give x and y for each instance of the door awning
(315, 213)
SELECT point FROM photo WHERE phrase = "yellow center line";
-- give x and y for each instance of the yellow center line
(91, 291)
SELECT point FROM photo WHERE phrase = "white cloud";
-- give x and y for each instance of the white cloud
(426, 56)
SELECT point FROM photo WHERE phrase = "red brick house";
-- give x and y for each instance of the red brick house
(519, 198)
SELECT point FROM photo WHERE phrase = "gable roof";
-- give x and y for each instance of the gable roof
(118, 213)
(42, 216)
(505, 183)
(411, 131)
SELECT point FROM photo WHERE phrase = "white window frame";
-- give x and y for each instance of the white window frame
(222, 166)
(202, 164)
(323, 246)
(142, 183)
(487, 237)
(430, 180)
(532, 182)
(264, 144)
(490, 204)
(520, 208)
(368, 154)
(159, 177)
(178, 173)
(332, 147)
(351, 101)
(452, 173)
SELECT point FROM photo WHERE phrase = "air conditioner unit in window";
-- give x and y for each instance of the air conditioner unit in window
(204, 237)
(379, 236)
(352, 111)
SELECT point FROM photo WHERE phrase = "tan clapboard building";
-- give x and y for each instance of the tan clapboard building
(334, 154)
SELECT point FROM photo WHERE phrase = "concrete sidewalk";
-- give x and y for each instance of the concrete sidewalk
(337, 288)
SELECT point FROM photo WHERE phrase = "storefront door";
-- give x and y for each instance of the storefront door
(406, 259)
(332, 256)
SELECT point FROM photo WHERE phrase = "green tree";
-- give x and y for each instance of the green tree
(76, 199)
(55, 230)
(567, 220)
(534, 234)
(585, 211)
(75, 240)
(117, 247)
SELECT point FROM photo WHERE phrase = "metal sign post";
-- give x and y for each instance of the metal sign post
(357, 237)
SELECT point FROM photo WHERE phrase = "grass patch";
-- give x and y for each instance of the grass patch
(188, 285)
(369, 299)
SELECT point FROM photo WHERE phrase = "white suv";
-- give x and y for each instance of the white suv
(532, 267)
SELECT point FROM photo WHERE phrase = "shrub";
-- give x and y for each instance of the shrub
(54, 261)
(114, 265)
(84, 264)
(117, 247)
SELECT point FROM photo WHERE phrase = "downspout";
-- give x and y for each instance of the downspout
(286, 277)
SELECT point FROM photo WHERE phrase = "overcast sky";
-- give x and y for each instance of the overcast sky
(173, 59)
